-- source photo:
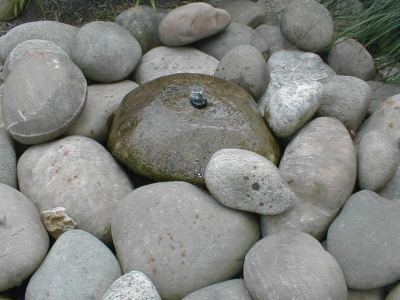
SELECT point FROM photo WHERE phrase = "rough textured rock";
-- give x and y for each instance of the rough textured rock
(76, 173)
(356, 237)
(292, 106)
(392, 189)
(347, 99)
(180, 237)
(24, 240)
(78, 266)
(43, 96)
(307, 24)
(245, 12)
(320, 166)
(292, 265)
(133, 285)
(8, 162)
(162, 61)
(157, 133)
(274, 36)
(192, 22)
(378, 160)
(143, 24)
(245, 66)
(380, 93)
(57, 221)
(244, 180)
(105, 51)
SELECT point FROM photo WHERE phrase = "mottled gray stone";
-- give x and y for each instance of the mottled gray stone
(274, 9)
(276, 40)
(365, 238)
(24, 240)
(292, 265)
(377, 294)
(180, 237)
(245, 180)
(8, 161)
(380, 93)
(105, 51)
(245, 12)
(392, 189)
(78, 266)
(76, 173)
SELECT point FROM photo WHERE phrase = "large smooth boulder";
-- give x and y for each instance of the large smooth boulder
(180, 237)
(159, 134)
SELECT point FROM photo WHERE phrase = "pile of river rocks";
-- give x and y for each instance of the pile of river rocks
(197, 153)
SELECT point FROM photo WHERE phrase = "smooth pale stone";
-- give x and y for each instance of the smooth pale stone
(59, 33)
(76, 173)
(105, 51)
(392, 189)
(378, 160)
(8, 158)
(320, 166)
(163, 60)
(180, 237)
(192, 22)
(132, 286)
(234, 289)
(380, 93)
(245, 12)
(24, 240)
(365, 239)
(292, 106)
(245, 180)
(378, 294)
(276, 40)
(291, 264)
(78, 267)
(245, 66)
(274, 9)
(349, 57)
(43, 96)
(307, 24)
(102, 101)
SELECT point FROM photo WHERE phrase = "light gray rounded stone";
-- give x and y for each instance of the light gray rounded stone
(291, 264)
(378, 160)
(24, 240)
(102, 101)
(245, 12)
(244, 180)
(43, 96)
(163, 60)
(392, 189)
(307, 24)
(350, 58)
(78, 174)
(59, 33)
(364, 239)
(192, 22)
(8, 162)
(380, 93)
(181, 237)
(133, 285)
(105, 51)
(78, 266)
(377, 294)
(320, 166)
(292, 106)
(394, 294)
(245, 66)
(274, 36)
(234, 289)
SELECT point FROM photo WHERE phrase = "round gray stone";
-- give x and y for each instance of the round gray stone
(392, 189)
(245, 12)
(274, 36)
(180, 237)
(78, 266)
(377, 294)
(8, 162)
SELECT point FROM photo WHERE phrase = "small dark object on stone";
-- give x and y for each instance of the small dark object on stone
(198, 97)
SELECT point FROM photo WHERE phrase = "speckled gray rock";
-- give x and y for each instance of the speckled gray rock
(235, 35)
(42, 97)
(274, 9)
(8, 162)
(377, 294)
(392, 189)
(78, 266)
(163, 60)
(366, 225)
(59, 33)
(378, 160)
(292, 106)
(320, 166)
(24, 240)
(245, 180)
(346, 98)
(133, 285)
(292, 265)
(192, 22)
(143, 24)
(350, 58)
(102, 101)
(394, 294)
(76, 173)
(290, 65)
(245, 66)
(105, 51)
(233, 289)
(276, 40)
(380, 93)
(180, 237)
(245, 12)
